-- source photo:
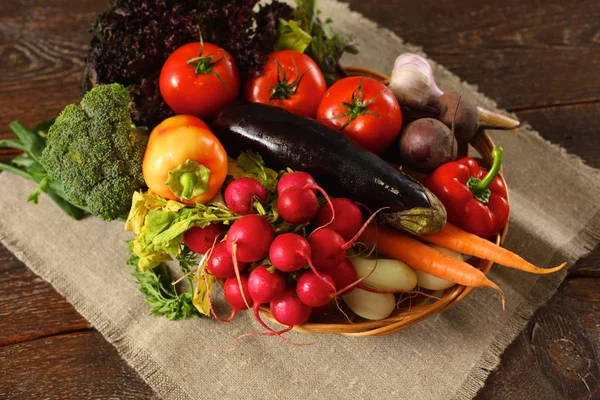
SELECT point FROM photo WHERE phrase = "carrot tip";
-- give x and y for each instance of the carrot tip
(494, 286)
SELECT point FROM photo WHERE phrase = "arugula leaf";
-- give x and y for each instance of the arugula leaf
(254, 167)
(202, 291)
(158, 291)
(159, 226)
(292, 37)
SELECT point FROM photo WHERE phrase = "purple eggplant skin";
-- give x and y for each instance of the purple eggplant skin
(286, 140)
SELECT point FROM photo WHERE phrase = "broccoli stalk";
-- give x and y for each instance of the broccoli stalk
(28, 166)
(96, 152)
(89, 159)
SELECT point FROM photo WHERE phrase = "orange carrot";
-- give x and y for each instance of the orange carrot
(456, 239)
(393, 243)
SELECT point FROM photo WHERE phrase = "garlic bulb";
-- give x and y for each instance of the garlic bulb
(412, 80)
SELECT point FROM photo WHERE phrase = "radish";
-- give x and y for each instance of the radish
(201, 240)
(289, 252)
(329, 248)
(264, 284)
(348, 218)
(343, 275)
(294, 179)
(241, 195)
(297, 204)
(249, 238)
(315, 291)
(236, 299)
(288, 310)
(220, 262)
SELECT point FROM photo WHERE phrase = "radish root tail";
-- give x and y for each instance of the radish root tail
(324, 193)
(236, 268)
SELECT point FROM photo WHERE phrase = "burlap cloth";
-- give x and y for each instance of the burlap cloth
(555, 217)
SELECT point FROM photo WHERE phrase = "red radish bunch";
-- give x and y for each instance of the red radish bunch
(297, 202)
(220, 262)
(241, 195)
(348, 218)
(201, 240)
(306, 274)
(314, 290)
(249, 238)
(288, 310)
(236, 295)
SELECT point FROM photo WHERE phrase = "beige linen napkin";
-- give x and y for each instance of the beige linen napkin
(555, 217)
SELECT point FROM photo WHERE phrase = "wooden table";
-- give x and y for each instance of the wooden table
(540, 59)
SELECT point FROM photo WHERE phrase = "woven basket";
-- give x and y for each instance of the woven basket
(420, 307)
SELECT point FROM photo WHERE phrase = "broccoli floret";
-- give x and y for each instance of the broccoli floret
(95, 150)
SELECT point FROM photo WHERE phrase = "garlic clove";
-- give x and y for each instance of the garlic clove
(412, 80)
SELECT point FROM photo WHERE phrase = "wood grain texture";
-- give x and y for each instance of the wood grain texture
(520, 53)
(42, 50)
(573, 127)
(531, 56)
(556, 356)
(29, 307)
(80, 365)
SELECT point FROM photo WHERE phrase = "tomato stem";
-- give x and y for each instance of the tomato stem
(357, 106)
(283, 89)
(205, 64)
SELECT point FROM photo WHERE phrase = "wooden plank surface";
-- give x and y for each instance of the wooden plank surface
(522, 54)
(538, 58)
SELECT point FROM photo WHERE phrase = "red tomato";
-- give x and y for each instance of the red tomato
(290, 80)
(364, 110)
(175, 141)
(198, 79)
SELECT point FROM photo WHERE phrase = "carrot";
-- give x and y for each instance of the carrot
(393, 243)
(456, 239)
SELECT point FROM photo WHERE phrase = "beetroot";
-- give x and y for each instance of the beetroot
(427, 143)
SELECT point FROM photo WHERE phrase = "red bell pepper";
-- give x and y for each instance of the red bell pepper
(475, 199)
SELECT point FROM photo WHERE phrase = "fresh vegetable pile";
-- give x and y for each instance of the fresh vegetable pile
(266, 169)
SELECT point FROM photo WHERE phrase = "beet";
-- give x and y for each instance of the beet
(465, 123)
(427, 143)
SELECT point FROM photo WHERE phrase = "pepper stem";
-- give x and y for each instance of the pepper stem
(481, 186)
(188, 182)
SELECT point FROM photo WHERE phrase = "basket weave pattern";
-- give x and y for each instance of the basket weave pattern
(412, 310)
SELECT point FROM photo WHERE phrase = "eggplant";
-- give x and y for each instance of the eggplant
(287, 140)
